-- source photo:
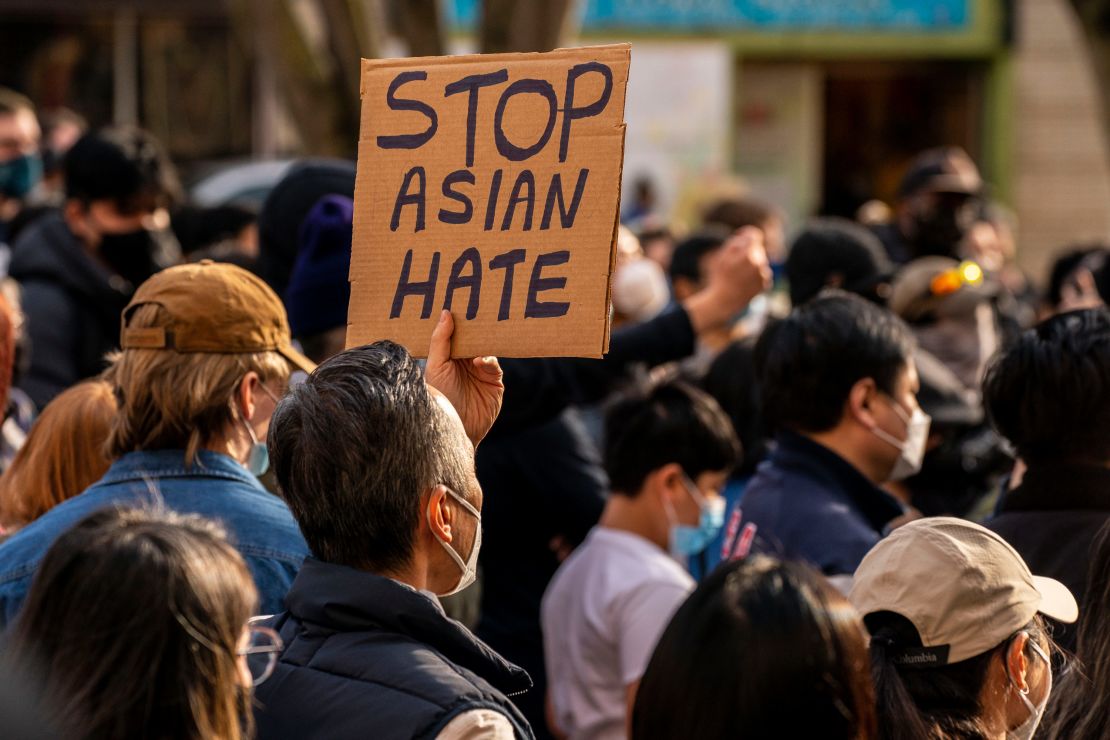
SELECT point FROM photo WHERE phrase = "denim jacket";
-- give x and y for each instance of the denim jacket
(259, 524)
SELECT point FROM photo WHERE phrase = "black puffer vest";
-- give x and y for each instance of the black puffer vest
(366, 656)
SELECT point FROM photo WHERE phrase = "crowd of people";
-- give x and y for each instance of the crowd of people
(805, 493)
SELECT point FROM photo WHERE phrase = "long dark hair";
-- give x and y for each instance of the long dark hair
(762, 648)
(133, 623)
(1081, 704)
(917, 703)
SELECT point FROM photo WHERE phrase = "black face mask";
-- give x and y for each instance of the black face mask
(132, 255)
(938, 232)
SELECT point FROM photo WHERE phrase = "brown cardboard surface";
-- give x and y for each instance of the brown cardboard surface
(568, 318)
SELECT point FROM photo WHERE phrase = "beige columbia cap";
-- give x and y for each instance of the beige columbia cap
(961, 585)
(215, 307)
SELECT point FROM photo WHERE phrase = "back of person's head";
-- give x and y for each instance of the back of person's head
(958, 644)
(1083, 698)
(762, 648)
(732, 382)
(134, 621)
(1049, 394)
(808, 362)
(1064, 267)
(355, 447)
(837, 253)
(190, 335)
(687, 259)
(200, 228)
(65, 453)
(736, 213)
(661, 423)
(319, 291)
(286, 207)
(124, 165)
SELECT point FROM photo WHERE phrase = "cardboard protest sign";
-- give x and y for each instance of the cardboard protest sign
(489, 185)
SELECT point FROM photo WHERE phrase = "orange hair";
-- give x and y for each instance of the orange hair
(65, 453)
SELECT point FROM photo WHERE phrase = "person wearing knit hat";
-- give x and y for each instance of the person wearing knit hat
(958, 639)
(207, 355)
(286, 207)
(837, 253)
(319, 291)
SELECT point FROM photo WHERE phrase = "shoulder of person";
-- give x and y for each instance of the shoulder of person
(478, 724)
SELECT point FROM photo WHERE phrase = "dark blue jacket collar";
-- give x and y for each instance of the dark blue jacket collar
(798, 452)
(152, 464)
(343, 599)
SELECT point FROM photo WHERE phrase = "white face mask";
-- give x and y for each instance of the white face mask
(913, 446)
(1027, 729)
(470, 567)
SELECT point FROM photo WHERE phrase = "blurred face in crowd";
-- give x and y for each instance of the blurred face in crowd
(684, 287)
(19, 135)
(935, 223)
(134, 241)
(92, 221)
(20, 166)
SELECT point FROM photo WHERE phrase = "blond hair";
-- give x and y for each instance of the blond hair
(64, 454)
(179, 400)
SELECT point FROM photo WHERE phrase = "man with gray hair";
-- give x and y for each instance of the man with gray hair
(376, 461)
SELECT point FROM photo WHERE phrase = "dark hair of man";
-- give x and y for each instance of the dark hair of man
(808, 362)
(732, 382)
(1049, 394)
(12, 102)
(923, 703)
(122, 164)
(355, 446)
(1064, 267)
(686, 260)
(736, 213)
(1082, 700)
(661, 423)
(762, 648)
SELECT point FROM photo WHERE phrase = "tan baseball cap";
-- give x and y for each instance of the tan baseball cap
(962, 586)
(215, 307)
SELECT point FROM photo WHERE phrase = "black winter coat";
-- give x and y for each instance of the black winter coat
(368, 657)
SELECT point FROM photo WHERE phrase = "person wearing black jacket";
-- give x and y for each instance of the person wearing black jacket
(376, 462)
(78, 268)
(539, 466)
(1049, 395)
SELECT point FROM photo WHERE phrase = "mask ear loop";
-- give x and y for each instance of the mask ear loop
(1040, 654)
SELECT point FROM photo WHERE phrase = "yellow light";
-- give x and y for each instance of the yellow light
(971, 273)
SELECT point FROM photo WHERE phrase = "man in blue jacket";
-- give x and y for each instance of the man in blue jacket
(378, 468)
(839, 385)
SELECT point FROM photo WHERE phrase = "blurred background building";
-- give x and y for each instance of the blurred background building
(816, 106)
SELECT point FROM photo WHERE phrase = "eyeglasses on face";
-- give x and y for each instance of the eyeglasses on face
(262, 650)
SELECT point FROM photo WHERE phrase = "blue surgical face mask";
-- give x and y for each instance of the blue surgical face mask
(687, 541)
(258, 459)
(19, 176)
